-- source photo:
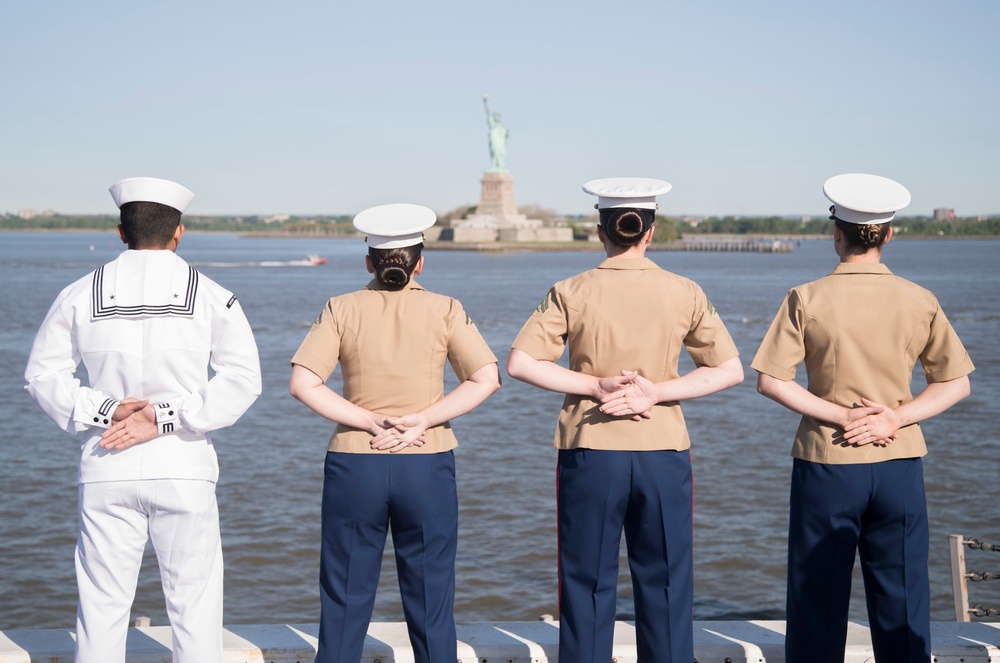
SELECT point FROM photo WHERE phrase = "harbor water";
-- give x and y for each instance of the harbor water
(271, 461)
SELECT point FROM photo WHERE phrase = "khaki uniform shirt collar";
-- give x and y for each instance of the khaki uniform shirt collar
(375, 285)
(628, 263)
(861, 268)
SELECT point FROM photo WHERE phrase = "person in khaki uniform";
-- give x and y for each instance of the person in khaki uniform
(857, 477)
(624, 459)
(390, 462)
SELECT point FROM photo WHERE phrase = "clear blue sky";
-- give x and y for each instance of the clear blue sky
(331, 107)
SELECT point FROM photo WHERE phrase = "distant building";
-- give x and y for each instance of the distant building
(27, 213)
(944, 214)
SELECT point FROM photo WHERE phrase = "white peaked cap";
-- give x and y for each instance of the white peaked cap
(638, 192)
(394, 226)
(151, 190)
(865, 199)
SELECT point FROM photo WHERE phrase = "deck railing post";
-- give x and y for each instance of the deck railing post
(959, 582)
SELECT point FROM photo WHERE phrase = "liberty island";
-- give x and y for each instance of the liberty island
(496, 217)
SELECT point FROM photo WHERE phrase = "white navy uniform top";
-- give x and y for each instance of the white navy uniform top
(149, 326)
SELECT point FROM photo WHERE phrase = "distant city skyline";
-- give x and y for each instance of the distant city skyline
(322, 108)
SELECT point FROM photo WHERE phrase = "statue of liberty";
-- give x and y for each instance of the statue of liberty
(498, 139)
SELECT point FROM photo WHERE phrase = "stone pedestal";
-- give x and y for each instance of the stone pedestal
(496, 209)
(535, 235)
(496, 214)
(497, 198)
(469, 234)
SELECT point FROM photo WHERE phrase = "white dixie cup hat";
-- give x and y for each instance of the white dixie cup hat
(151, 190)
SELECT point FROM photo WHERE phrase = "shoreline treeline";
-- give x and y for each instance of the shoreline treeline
(669, 228)
(903, 226)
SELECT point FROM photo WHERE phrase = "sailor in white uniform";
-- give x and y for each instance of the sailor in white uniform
(147, 327)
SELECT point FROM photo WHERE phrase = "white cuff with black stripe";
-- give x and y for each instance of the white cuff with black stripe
(102, 418)
(166, 418)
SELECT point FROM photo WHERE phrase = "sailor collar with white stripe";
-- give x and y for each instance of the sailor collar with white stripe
(119, 289)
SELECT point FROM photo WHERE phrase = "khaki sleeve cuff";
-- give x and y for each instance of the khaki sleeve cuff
(950, 373)
(537, 348)
(761, 365)
(718, 355)
(319, 366)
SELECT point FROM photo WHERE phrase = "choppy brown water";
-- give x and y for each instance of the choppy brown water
(272, 460)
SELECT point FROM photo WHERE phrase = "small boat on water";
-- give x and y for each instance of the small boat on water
(311, 260)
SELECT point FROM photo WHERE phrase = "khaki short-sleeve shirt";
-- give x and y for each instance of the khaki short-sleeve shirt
(860, 331)
(625, 314)
(392, 347)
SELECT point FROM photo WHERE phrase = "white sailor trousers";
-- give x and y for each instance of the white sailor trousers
(181, 517)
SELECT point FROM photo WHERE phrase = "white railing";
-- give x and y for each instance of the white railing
(960, 578)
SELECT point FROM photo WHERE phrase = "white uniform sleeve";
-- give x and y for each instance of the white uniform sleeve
(231, 391)
(50, 377)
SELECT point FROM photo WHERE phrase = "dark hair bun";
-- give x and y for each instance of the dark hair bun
(394, 267)
(870, 236)
(863, 237)
(393, 275)
(626, 226)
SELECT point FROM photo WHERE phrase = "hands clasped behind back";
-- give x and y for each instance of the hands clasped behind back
(627, 395)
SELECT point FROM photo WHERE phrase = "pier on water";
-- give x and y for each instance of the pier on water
(729, 245)
(499, 642)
